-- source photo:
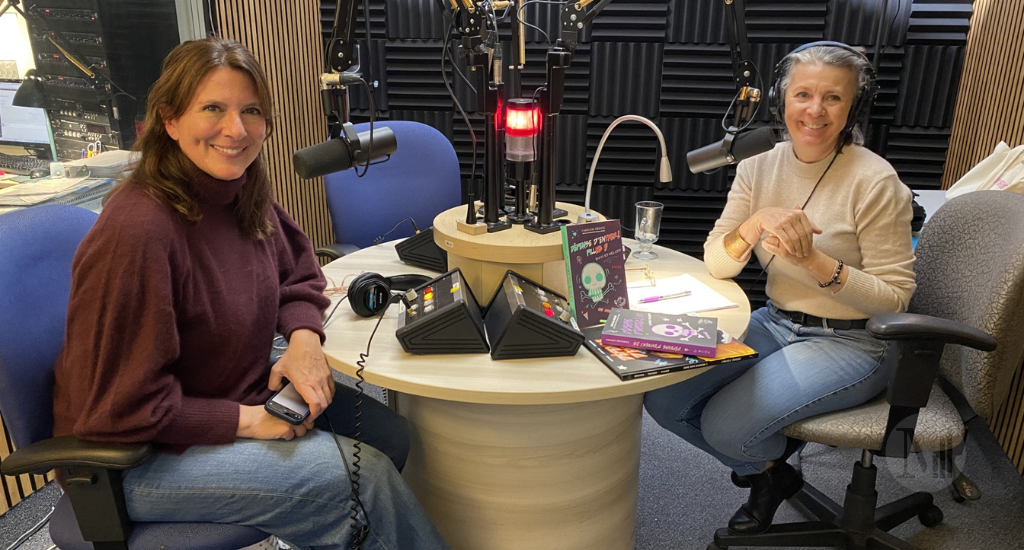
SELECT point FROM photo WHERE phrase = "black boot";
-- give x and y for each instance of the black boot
(792, 446)
(768, 490)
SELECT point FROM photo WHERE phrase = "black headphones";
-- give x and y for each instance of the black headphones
(865, 96)
(370, 293)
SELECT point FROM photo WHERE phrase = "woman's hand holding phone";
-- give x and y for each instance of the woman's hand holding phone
(304, 364)
(254, 422)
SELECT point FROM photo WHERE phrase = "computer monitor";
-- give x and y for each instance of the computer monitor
(22, 126)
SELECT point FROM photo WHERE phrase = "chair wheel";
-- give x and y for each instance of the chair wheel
(931, 517)
(715, 546)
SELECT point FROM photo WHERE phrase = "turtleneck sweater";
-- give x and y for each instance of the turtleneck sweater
(862, 208)
(170, 322)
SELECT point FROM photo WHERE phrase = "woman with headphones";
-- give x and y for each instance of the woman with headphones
(830, 222)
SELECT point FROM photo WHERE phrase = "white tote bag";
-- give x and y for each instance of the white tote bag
(1002, 170)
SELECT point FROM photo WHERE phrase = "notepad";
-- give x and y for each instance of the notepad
(701, 297)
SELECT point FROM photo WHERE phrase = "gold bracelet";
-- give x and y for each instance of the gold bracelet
(735, 246)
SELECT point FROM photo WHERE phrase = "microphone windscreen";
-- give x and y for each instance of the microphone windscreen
(323, 158)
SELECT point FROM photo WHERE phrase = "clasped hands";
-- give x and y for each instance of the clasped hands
(305, 366)
(790, 233)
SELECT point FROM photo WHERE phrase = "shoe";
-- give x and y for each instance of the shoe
(768, 490)
(740, 481)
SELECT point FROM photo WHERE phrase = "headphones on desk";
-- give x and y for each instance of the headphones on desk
(865, 95)
(370, 293)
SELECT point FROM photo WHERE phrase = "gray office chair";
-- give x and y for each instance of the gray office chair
(970, 275)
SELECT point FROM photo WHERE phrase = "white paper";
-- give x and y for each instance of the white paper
(701, 298)
(28, 194)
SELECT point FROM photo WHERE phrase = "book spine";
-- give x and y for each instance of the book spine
(666, 370)
(683, 366)
(570, 290)
(629, 342)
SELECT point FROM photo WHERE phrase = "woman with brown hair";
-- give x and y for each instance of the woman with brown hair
(176, 295)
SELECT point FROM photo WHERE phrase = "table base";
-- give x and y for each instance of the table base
(495, 477)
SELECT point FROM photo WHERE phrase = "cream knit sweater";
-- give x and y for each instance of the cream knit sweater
(864, 212)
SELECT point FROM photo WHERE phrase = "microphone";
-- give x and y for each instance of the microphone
(343, 153)
(731, 149)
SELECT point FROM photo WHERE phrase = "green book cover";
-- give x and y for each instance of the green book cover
(595, 270)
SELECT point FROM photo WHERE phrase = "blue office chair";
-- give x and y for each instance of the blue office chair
(37, 245)
(420, 181)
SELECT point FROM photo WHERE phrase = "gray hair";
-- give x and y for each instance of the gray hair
(833, 56)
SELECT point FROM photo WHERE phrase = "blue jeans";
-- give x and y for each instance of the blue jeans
(297, 490)
(735, 411)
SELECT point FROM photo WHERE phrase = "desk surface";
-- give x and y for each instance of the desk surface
(476, 378)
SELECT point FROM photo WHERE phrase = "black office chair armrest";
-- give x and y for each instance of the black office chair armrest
(919, 343)
(335, 251)
(911, 326)
(69, 451)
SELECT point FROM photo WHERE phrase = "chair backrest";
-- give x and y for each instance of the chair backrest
(37, 246)
(421, 180)
(970, 268)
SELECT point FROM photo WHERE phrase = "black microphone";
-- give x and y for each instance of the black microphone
(731, 149)
(341, 154)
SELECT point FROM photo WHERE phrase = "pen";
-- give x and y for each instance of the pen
(650, 299)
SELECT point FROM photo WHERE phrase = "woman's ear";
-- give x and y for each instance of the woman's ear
(171, 125)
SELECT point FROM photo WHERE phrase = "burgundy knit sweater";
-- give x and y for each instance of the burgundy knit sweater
(170, 322)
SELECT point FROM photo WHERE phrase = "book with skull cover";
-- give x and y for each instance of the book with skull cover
(686, 334)
(630, 363)
(595, 270)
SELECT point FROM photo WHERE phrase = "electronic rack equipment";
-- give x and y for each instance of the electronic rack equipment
(122, 42)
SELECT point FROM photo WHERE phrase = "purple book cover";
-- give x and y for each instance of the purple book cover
(686, 334)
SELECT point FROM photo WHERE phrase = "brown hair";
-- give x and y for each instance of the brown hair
(163, 171)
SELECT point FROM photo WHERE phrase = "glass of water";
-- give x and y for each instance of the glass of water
(648, 224)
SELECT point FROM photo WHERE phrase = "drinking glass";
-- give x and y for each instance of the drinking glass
(648, 224)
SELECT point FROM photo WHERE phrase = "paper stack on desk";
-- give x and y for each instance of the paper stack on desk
(700, 298)
(38, 192)
(107, 164)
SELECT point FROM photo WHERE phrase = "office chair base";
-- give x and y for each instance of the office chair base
(812, 534)
(860, 525)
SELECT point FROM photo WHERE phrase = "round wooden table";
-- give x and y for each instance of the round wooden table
(531, 453)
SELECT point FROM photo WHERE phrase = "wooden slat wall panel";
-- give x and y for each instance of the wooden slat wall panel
(990, 109)
(285, 38)
(990, 102)
(15, 489)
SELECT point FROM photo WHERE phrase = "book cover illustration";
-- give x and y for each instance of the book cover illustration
(595, 270)
(630, 363)
(685, 334)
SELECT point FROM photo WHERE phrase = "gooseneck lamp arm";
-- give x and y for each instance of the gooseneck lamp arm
(664, 168)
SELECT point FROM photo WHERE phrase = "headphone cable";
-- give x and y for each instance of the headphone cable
(359, 531)
(807, 200)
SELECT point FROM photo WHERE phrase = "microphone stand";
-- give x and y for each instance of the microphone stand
(558, 59)
(470, 26)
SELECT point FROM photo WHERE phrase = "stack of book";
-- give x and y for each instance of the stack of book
(636, 344)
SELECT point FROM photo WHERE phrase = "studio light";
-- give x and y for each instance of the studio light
(664, 168)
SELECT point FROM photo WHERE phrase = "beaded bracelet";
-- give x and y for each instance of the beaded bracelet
(835, 276)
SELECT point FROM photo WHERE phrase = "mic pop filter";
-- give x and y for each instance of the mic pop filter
(336, 155)
(743, 146)
(323, 158)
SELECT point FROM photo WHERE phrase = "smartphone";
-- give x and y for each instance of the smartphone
(288, 405)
